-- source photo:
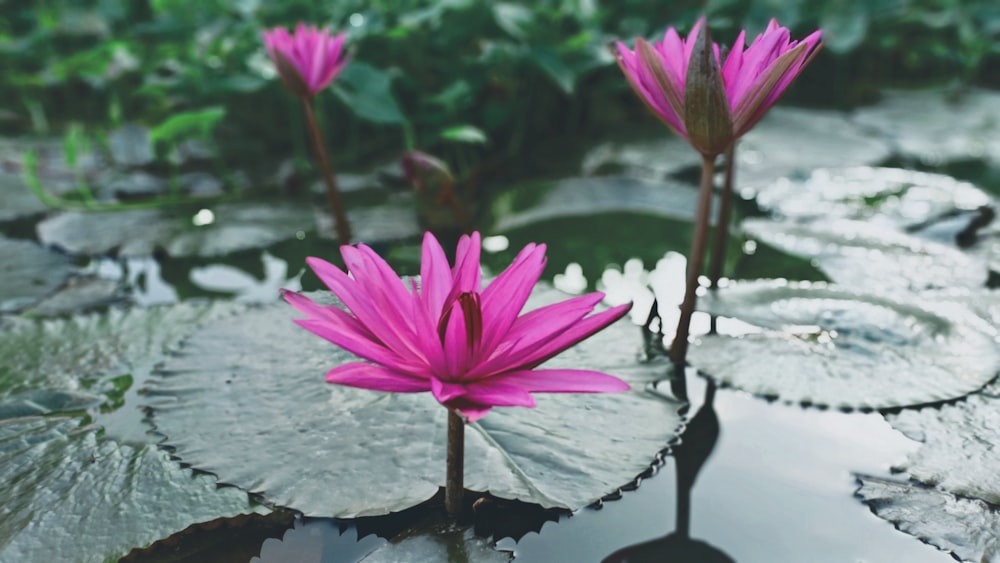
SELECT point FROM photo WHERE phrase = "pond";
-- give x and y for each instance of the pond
(157, 403)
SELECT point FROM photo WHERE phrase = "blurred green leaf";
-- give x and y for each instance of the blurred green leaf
(367, 92)
(187, 124)
(513, 18)
(464, 134)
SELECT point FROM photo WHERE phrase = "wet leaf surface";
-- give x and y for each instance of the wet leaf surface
(790, 142)
(958, 453)
(246, 395)
(824, 345)
(950, 127)
(235, 226)
(967, 528)
(29, 272)
(582, 197)
(862, 254)
(85, 353)
(67, 495)
(891, 196)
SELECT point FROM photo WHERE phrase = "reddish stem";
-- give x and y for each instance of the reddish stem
(455, 477)
(339, 217)
(678, 350)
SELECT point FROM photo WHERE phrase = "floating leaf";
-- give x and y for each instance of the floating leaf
(651, 159)
(968, 528)
(246, 395)
(78, 294)
(28, 273)
(16, 200)
(576, 197)
(896, 197)
(392, 220)
(789, 142)
(131, 145)
(958, 452)
(69, 496)
(949, 127)
(824, 345)
(236, 226)
(89, 351)
(861, 254)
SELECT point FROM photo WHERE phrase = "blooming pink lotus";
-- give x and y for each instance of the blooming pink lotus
(307, 60)
(466, 344)
(754, 77)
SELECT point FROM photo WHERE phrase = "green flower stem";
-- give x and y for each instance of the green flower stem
(343, 227)
(718, 258)
(678, 350)
(455, 479)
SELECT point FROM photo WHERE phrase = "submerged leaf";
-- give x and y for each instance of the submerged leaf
(28, 273)
(968, 528)
(245, 399)
(824, 345)
(860, 254)
(69, 496)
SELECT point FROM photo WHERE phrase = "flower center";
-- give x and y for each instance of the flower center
(472, 314)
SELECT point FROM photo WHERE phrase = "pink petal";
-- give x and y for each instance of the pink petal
(577, 333)
(563, 381)
(498, 394)
(466, 271)
(360, 346)
(376, 378)
(445, 392)
(504, 298)
(435, 276)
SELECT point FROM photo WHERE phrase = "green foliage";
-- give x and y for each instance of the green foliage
(523, 74)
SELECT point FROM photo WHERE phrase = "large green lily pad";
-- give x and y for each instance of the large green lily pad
(245, 399)
(891, 196)
(861, 254)
(68, 495)
(582, 197)
(967, 528)
(95, 354)
(824, 345)
(236, 226)
(937, 126)
(958, 452)
(28, 273)
(793, 141)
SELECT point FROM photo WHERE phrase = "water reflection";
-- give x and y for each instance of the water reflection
(695, 447)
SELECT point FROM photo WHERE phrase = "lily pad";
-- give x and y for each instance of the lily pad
(892, 196)
(958, 452)
(860, 254)
(654, 159)
(580, 197)
(950, 127)
(235, 226)
(245, 399)
(791, 142)
(28, 273)
(78, 294)
(67, 495)
(967, 528)
(819, 344)
(16, 200)
(392, 220)
(87, 352)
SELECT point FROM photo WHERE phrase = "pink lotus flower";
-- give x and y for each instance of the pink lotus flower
(466, 344)
(308, 60)
(754, 77)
